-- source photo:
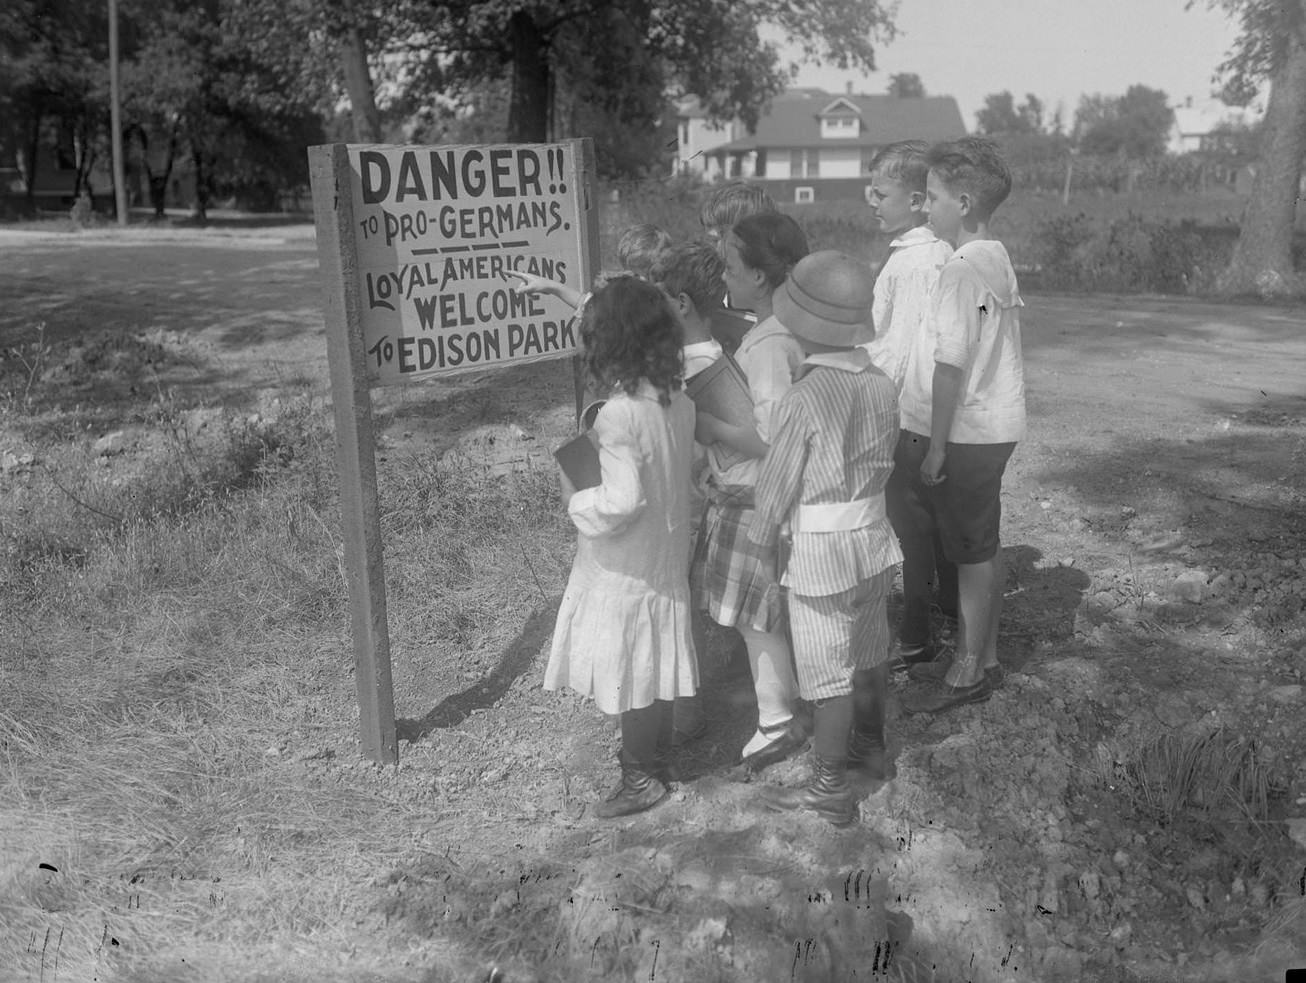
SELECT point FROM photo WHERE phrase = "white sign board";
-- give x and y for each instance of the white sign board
(435, 231)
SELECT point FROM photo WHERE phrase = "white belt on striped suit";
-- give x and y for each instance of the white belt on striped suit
(837, 516)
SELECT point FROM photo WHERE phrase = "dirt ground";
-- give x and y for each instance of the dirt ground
(1131, 804)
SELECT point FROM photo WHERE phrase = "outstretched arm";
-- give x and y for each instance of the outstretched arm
(534, 284)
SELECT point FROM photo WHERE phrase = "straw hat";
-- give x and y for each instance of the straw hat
(827, 300)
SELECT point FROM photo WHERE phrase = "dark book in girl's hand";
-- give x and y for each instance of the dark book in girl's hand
(579, 457)
(721, 389)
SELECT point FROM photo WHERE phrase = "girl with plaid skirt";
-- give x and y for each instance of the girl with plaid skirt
(729, 581)
(623, 629)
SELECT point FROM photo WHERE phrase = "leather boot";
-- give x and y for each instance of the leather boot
(866, 755)
(826, 793)
(639, 790)
(866, 745)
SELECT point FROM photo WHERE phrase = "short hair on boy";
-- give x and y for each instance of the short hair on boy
(732, 201)
(694, 269)
(770, 242)
(904, 161)
(639, 246)
(973, 165)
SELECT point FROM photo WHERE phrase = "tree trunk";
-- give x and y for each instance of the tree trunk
(83, 156)
(358, 84)
(1262, 256)
(528, 108)
(29, 166)
(201, 186)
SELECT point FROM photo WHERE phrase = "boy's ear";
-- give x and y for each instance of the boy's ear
(684, 304)
(916, 201)
(966, 203)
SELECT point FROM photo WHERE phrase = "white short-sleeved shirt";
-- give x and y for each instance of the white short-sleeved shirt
(976, 327)
(902, 306)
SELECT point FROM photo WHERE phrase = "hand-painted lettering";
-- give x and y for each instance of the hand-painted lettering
(441, 175)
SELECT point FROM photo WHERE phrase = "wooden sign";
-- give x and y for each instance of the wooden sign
(436, 230)
(414, 245)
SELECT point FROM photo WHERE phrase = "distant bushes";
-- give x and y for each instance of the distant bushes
(1129, 255)
(1174, 172)
(1144, 241)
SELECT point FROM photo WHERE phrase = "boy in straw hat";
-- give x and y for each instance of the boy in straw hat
(825, 474)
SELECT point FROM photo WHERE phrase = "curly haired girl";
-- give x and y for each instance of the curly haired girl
(623, 629)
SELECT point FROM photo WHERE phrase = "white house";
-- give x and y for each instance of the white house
(1196, 119)
(811, 143)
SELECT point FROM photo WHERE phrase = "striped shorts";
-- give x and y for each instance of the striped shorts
(727, 581)
(838, 634)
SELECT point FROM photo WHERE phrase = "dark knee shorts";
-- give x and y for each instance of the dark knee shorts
(968, 505)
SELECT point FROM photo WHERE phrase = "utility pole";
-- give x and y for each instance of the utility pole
(115, 119)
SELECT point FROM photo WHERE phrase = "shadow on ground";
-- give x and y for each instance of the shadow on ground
(516, 660)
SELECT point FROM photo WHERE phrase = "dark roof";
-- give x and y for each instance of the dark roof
(793, 120)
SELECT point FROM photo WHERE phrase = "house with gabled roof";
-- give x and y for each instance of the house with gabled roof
(812, 144)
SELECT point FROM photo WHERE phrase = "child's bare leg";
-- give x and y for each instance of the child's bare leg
(774, 682)
(980, 595)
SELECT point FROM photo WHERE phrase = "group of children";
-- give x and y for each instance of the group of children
(884, 412)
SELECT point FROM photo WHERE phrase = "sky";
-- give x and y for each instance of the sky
(1056, 49)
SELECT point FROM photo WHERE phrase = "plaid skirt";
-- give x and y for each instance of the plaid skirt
(727, 580)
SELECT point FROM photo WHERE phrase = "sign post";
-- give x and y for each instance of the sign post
(415, 248)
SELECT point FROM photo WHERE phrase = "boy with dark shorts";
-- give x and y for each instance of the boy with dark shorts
(975, 414)
(904, 291)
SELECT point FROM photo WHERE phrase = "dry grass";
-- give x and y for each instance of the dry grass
(1209, 771)
(177, 659)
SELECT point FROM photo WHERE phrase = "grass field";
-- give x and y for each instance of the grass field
(180, 781)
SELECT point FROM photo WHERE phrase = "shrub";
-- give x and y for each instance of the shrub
(1128, 255)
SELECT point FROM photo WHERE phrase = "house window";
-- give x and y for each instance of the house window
(839, 127)
(804, 196)
(813, 164)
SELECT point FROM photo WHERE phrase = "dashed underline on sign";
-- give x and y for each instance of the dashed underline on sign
(478, 246)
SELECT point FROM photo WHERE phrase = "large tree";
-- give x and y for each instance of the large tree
(1271, 48)
(906, 85)
(1135, 125)
(230, 83)
(53, 85)
(1001, 115)
(709, 48)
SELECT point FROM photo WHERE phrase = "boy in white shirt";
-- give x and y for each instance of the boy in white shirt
(902, 309)
(975, 413)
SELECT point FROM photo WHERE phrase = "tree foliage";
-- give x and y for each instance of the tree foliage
(1001, 115)
(560, 54)
(1136, 125)
(53, 84)
(906, 85)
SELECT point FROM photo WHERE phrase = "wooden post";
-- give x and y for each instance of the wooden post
(115, 121)
(355, 448)
(585, 177)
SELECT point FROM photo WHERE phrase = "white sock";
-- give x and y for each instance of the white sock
(774, 683)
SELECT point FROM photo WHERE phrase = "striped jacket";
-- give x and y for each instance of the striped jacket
(833, 444)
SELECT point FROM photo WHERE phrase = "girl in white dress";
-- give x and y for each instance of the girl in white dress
(623, 630)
